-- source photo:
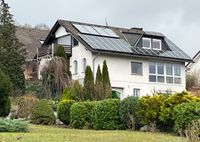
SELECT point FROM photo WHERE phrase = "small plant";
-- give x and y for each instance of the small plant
(25, 106)
(81, 114)
(8, 125)
(43, 114)
(64, 111)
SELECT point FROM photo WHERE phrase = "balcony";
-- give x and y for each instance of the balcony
(47, 50)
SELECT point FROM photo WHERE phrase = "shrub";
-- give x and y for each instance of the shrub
(128, 108)
(185, 113)
(5, 92)
(8, 125)
(81, 114)
(190, 81)
(88, 89)
(168, 105)
(75, 92)
(25, 106)
(107, 90)
(64, 111)
(149, 108)
(192, 132)
(43, 114)
(53, 104)
(98, 87)
(106, 115)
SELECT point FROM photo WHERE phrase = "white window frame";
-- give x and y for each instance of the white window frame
(140, 74)
(173, 76)
(157, 40)
(136, 92)
(147, 39)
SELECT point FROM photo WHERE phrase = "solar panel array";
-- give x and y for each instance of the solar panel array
(120, 45)
(94, 30)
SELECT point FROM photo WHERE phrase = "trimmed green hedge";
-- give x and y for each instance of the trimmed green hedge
(184, 114)
(64, 111)
(81, 114)
(43, 114)
(106, 115)
(8, 125)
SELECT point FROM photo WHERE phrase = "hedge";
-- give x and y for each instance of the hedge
(106, 115)
(81, 114)
(64, 111)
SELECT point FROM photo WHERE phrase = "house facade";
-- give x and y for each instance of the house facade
(139, 62)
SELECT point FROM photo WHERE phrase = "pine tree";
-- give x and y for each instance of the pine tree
(106, 81)
(11, 51)
(88, 89)
(99, 85)
(5, 92)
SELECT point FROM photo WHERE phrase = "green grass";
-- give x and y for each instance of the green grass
(54, 134)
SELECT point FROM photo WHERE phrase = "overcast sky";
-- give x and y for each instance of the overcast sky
(179, 20)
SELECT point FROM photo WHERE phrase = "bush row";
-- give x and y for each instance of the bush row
(154, 112)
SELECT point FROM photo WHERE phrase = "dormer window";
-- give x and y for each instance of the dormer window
(156, 44)
(146, 43)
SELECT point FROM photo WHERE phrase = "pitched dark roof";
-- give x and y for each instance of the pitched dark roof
(126, 43)
(30, 38)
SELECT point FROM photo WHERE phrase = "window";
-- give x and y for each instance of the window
(84, 64)
(156, 44)
(159, 72)
(146, 43)
(136, 92)
(136, 68)
(75, 67)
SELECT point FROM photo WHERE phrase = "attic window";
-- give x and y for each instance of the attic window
(156, 44)
(146, 43)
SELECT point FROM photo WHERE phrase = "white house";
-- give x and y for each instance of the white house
(139, 62)
(193, 68)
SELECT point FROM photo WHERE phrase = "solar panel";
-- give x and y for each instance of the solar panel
(81, 28)
(94, 30)
(120, 45)
(105, 43)
(90, 30)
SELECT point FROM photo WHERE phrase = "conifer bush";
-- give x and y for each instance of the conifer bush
(98, 87)
(15, 125)
(128, 111)
(43, 114)
(88, 89)
(107, 90)
(63, 111)
(5, 92)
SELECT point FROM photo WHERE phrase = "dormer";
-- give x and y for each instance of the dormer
(151, 43)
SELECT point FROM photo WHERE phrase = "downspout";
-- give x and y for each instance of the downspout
(93, 62)
(52, 49)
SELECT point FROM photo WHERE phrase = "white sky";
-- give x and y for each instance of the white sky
(179, 20)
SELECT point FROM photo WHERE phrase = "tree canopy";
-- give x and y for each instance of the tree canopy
(11, 51)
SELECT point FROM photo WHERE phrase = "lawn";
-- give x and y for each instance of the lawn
(54, 134)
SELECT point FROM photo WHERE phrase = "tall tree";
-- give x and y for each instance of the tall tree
(11, 51)
(99, 85)
(88, 89)
(106, 81)
(5, 92)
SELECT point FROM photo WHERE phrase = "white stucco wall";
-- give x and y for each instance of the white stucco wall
(79, 53)
(120, 72)
(61, 32)
(121, 77)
